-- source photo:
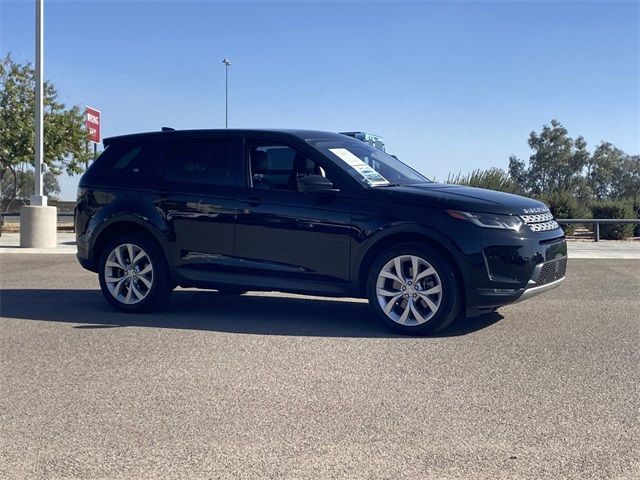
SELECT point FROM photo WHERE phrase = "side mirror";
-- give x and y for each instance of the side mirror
(314, 184)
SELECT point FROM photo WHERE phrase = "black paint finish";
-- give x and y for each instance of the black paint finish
(319, 243)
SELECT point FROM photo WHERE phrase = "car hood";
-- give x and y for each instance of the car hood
(466, 198)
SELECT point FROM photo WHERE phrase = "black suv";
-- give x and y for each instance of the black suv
(306, 212)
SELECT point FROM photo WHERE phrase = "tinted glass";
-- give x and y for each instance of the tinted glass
(279, 167)
(204, 162)
(129, 159)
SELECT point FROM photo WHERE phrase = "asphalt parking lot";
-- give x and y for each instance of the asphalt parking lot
(281, 386)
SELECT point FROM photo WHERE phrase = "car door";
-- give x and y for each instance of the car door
(199, 201)
(287, 234)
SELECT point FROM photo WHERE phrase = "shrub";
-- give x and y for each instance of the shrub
(491, 179)
(564, 205)
(614, 209)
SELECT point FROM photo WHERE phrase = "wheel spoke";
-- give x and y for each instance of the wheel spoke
(398, 266)
(145, 270)
(130, 253)
(118, 287)
(389, 306)
(127, 298)
(414, 268)
(429, 302)
(146, 282)
(391, 276)
(387, 293)
(426, 273)
(118, 253)
(405, 314)
(416, 314)
(139, 257)
(136, 292)
(114, 279)
(112, 264)
(433, 290)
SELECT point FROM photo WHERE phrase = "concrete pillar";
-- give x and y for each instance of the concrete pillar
(38, 227)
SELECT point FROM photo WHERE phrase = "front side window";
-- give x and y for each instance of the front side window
(370, 166)
(279, 167)
(203, 162)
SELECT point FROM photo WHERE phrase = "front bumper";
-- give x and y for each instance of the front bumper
(533, 291)
(517, 267)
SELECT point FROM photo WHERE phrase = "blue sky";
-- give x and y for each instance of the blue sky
(451, 86)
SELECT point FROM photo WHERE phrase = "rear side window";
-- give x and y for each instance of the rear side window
(130, 159)
(200, 161)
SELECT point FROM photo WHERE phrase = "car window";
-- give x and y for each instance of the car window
(280, 167)
(201, 161)
(130, 159)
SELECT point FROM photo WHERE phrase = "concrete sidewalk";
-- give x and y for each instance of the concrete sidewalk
(10, 243)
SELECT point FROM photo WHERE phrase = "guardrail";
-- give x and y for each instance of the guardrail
(16, 214)
(596, 223)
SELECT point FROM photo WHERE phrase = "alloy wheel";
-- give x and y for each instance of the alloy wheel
(128, 273)
(409, 290)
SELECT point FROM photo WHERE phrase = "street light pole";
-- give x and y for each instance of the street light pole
(38, 199)
(227, 64)
(37, 220)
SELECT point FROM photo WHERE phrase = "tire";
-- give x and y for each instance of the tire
(410, 309)
(149, 276)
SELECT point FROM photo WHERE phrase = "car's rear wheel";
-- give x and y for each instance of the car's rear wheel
(133, 274)
(413, 289)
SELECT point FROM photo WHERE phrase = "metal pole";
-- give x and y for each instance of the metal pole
(227, 63)
(38, 199)
(226, 96)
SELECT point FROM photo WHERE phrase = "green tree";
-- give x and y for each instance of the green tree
(22, 190)
(65, 139)
(626, 179)
(557, 160)
(605, 165)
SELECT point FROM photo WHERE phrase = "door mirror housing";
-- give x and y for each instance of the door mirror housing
(314, 184)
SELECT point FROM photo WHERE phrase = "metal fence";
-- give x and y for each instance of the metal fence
(596, 223)
(17, 215)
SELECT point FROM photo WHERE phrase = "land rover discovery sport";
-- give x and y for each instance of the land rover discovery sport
(306, 212)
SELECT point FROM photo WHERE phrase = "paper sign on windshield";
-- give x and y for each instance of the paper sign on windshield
(369, 174)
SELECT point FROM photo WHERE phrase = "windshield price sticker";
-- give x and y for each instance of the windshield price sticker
(369, 174)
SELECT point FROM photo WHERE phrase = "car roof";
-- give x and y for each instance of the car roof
(172, 134)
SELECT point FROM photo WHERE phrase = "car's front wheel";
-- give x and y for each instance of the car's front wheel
(133, 274)
(413, 289)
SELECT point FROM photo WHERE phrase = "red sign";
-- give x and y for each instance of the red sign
(92, 124)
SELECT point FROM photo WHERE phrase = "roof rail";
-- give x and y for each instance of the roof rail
(168, 129)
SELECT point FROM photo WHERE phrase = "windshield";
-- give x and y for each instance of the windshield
(368, 165)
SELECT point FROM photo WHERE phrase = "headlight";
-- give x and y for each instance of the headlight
(489, 220)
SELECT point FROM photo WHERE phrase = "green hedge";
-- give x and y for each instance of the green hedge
(614, 209)
(565, 205)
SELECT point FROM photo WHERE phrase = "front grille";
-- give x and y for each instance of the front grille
(542, 222)
(543, 217)
(544, 226)
(552, 271)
